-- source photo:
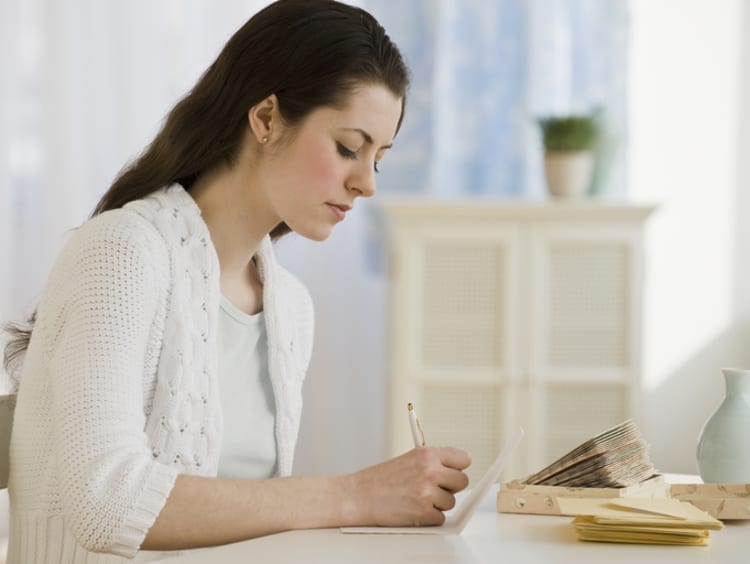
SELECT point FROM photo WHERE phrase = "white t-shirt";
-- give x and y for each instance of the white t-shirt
(248, 448)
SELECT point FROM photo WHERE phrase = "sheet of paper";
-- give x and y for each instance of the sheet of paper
(460, 516)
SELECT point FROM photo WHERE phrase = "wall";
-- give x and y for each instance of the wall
(689, 127)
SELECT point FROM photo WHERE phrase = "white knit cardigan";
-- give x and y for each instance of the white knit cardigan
(118, 393)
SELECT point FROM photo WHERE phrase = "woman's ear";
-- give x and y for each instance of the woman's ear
(263, 118)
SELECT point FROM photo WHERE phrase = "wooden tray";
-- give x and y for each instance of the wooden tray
(723, 501)
(515, 497)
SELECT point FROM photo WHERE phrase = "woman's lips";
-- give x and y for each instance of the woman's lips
(339, 211)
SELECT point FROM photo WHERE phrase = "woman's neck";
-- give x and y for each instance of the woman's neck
(238, 218)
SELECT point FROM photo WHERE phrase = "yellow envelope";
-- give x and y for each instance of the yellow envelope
(644, 538)
(645, 512)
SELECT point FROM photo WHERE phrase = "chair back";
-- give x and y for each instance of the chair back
(7, 406)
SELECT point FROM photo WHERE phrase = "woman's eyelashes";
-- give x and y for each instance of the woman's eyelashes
(346, 153)
(349, 154)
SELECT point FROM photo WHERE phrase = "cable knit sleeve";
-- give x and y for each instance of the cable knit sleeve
(114, 278)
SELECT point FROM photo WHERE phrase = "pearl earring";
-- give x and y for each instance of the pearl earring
(264, 140)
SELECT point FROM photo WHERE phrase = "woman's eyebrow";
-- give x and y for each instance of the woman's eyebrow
(366, 136)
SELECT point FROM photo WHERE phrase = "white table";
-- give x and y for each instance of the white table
(489, 538)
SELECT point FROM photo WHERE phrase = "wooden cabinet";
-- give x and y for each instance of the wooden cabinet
(508, 314)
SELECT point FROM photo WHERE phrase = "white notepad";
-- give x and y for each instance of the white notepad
(457, 521)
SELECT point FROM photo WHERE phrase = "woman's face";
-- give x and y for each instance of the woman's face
(332, 160)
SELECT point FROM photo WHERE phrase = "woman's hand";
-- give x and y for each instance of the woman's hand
(412, 489)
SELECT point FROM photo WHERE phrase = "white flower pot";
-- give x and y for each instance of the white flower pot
(568, 173)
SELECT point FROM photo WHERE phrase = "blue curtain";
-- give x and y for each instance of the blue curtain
(483, 72)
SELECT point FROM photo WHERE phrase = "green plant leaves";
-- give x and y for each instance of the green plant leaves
(570, 133)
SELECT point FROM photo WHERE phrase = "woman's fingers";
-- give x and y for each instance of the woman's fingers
(444, 465)
(433, 518)
(454, 457)
(444, 500)
(453, 480)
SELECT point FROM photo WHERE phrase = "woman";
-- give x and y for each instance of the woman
(160, 395)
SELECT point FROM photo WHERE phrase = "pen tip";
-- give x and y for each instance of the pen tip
(410, 407)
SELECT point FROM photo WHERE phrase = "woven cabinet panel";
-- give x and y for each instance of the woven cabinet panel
(462, 293)
(588, 305)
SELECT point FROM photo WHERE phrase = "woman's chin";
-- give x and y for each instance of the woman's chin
(318, 234)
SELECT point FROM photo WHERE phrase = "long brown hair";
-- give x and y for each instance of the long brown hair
(310, 53)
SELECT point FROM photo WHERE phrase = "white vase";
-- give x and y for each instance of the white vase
(723, 451)
(568, 172)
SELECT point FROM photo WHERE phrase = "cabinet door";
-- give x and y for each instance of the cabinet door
(454, 330)
(584, 361)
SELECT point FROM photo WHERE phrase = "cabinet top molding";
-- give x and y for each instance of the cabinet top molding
(422, 208)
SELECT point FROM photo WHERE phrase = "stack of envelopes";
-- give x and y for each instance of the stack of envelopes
(615, 458)
(644, 521)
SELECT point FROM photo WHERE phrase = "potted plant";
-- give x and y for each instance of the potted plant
(568, 153)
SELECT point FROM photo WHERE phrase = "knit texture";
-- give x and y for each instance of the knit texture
(119, 389)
